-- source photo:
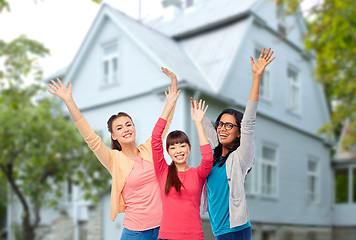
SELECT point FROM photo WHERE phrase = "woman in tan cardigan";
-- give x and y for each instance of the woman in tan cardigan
(135, 188)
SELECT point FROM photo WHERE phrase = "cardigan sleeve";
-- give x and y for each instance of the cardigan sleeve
(94, 143)
(210, 132)
(246, 150)
(159, 162)
(206, 162)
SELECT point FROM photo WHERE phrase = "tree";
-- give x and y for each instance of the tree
(40, 148)
(332, 37)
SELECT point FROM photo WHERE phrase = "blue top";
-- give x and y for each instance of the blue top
(218, 202)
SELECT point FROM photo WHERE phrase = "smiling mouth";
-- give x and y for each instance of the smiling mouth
(127, 135)
(223, 136)
(179, 157)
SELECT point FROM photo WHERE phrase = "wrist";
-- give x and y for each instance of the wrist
(256, 75)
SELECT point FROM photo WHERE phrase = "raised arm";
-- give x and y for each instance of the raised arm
(91, 138)
(157, 143)
(174, 85)
(198, 111)
(257, 69)
(246, 151)
(209, 129)
(65, 94)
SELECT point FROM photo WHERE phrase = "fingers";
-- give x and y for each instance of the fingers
(53, 93)
(54, 83)
(261, 55)
(252, 62)
(266, 55)
(60, 82)
(191, 101)
(271, 60)
(206, 108)
(53, 88)
(269, 56)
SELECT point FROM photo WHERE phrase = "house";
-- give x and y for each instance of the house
(208, 45)
(344, 165)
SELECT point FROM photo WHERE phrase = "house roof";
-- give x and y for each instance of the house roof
(207, 15)
(165, 50)
(342, 154)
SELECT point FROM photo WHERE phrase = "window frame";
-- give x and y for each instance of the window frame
(275, 166)
(110, 57)
(294, 105)
(317, 175)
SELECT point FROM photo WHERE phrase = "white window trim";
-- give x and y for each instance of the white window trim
(266, 162)
(109, 57)
(317, 175)
(298, 85)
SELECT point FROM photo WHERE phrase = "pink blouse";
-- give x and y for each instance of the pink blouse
(142, 197)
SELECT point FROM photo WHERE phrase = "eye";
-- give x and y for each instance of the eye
(183, 145)
(171, 147)
(118, 129)
(128, 125)
(229, 125)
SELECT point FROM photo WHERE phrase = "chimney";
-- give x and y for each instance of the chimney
(172, 8)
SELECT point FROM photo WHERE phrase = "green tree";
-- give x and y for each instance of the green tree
(332, 37)
(40, 148)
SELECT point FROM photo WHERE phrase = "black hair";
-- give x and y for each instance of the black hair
(218, 150)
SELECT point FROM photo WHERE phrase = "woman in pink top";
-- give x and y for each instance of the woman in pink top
(181, 186)
(135, 188)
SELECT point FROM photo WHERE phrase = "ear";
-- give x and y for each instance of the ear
(113, 137)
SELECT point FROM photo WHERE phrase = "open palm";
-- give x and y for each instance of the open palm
(60, 90)
(259, 66)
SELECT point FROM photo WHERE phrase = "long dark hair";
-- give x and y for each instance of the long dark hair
(114, 143)
(218, 150)
(174, 137)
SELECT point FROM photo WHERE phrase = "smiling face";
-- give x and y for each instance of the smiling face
(179, 153)
(123, 130)
(227, 137)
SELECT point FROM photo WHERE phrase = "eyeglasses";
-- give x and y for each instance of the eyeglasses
(228, 125)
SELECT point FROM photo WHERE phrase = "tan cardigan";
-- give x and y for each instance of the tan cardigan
(116, 162)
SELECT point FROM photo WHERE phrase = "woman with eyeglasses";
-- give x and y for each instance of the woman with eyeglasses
(233, 142)
(135, 189)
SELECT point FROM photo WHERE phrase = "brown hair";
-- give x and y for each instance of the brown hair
(174, 137)
(114, 143)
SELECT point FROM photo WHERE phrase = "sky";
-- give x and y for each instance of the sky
(61, 25)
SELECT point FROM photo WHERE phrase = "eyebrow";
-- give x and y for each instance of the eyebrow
(125, 123)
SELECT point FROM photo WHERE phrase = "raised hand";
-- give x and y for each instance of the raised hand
(198, 110)
(172, 76)
(259, 66)
(172, 95)
(60, 90)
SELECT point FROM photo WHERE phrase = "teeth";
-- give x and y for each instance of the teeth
(127, 135)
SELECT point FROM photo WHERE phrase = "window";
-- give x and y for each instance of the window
(294, 91)
(313, 180)
(281, 17)
(265, 79)
(251, 186)
(269, 171)
(110, 63)
(341, 185)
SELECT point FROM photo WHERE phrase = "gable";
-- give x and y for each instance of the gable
(268, 12)
(213, 52)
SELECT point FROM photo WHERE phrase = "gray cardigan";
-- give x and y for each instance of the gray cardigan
(238, 163)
